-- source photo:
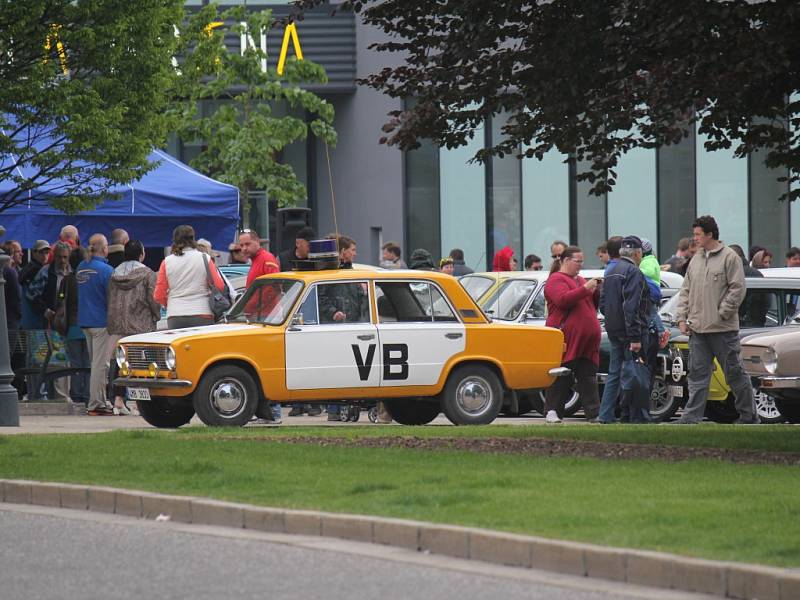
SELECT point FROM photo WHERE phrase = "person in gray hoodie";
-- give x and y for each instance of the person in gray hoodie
(131, 306)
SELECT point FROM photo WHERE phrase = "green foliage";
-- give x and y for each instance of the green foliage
(710, 509)
(243, 138)
(593, 79)
(105, 113)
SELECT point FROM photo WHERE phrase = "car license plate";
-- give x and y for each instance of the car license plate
(676, 391)
(138, 394)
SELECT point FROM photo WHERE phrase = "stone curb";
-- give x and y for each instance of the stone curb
(656, 569)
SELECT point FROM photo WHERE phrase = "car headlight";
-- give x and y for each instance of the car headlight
(770, 360)
(170, 360)
(121, 355)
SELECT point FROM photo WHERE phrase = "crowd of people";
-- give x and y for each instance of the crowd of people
(93, 295)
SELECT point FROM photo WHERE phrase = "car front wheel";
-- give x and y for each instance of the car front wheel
(226, 397)
(472, 396)
(166, 413)
(663, 405)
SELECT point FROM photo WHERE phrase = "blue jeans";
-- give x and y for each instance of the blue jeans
(78, 356)
(611, 391)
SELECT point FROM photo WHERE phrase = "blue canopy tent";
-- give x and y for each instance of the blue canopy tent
(149, 209)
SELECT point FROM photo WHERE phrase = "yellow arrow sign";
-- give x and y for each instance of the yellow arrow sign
(291, 31)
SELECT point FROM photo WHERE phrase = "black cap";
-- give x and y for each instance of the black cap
(632, 242)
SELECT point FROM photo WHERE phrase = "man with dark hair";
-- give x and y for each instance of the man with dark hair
(602, 254)
(459, 267)
(708, 310)
(613, 245)
(302, 244)
(681, 256)
(793, 257)
(533, 263)
(391, 256)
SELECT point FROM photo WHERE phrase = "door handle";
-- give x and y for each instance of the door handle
(453, 336)
(368, 336)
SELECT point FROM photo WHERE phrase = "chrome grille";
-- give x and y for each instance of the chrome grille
(139, 357)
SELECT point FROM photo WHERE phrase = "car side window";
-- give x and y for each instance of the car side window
(759, 309)
(309, 311)
(346, 302)
(411, 302)
(539, 306)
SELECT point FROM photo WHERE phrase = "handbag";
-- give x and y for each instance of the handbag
(635, 378)
(61, 318)
(218, 301)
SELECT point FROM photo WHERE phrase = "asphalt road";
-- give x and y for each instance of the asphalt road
(56, 553)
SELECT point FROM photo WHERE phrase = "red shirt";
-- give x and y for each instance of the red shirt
(573, 309)
(263, 263)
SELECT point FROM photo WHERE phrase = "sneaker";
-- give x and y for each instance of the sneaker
(756, 420)
(314, 411)
(334, 417)
(297, 411)
(259, 421)
(101, 412)
(552, 417)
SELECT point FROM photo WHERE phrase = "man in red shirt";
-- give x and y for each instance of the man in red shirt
(261, 261)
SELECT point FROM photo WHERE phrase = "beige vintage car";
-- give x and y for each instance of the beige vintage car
(773, 358)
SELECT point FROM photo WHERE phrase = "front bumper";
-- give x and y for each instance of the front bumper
(779, 382)
(141, 382)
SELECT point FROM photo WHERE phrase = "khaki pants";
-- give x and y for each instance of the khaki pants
(101, 347)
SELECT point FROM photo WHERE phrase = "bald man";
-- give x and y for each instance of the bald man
(93, 276)
(116, 251)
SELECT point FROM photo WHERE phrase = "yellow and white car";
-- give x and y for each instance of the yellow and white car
(414, 339)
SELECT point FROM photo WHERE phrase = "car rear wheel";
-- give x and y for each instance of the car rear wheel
(790, 409)
(226, 397)
(411, 411)
(166, 413)
(472, 396)
(663, 405)
(766, 407)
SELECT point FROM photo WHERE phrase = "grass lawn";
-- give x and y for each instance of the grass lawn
(701, 508)
(775, 438)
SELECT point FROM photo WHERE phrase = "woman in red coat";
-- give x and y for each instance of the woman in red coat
(572, 307)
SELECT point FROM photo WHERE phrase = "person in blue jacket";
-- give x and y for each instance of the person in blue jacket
(93, 276)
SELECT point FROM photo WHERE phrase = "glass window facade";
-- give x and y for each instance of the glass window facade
(463, 202)
(722, 192)
(423, 229)
(545, 204)
(676, 192)
(632, 203)
(589, 217)
(504, 197)
(769, 216)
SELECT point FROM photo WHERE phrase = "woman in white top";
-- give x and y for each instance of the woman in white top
(182, 286)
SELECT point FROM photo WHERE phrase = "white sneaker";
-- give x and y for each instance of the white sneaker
(552, 417)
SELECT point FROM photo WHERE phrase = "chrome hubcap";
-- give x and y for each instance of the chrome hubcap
(765, 405)
(572, 401)
(659, 397)
(474, 395)
(228, 397)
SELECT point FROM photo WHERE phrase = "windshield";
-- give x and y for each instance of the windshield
(667, 312)
(476, 285)
(267, 301)
(507, 301)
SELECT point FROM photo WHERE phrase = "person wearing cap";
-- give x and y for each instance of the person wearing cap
(302, 245)
(708, 311)
(32, 319)
(236, 257)
(624, 302)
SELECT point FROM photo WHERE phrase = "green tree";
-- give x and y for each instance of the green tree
(85, 88)
(593, 79)
(243, 138)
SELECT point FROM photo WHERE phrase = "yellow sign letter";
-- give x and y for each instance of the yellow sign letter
(291, 31)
